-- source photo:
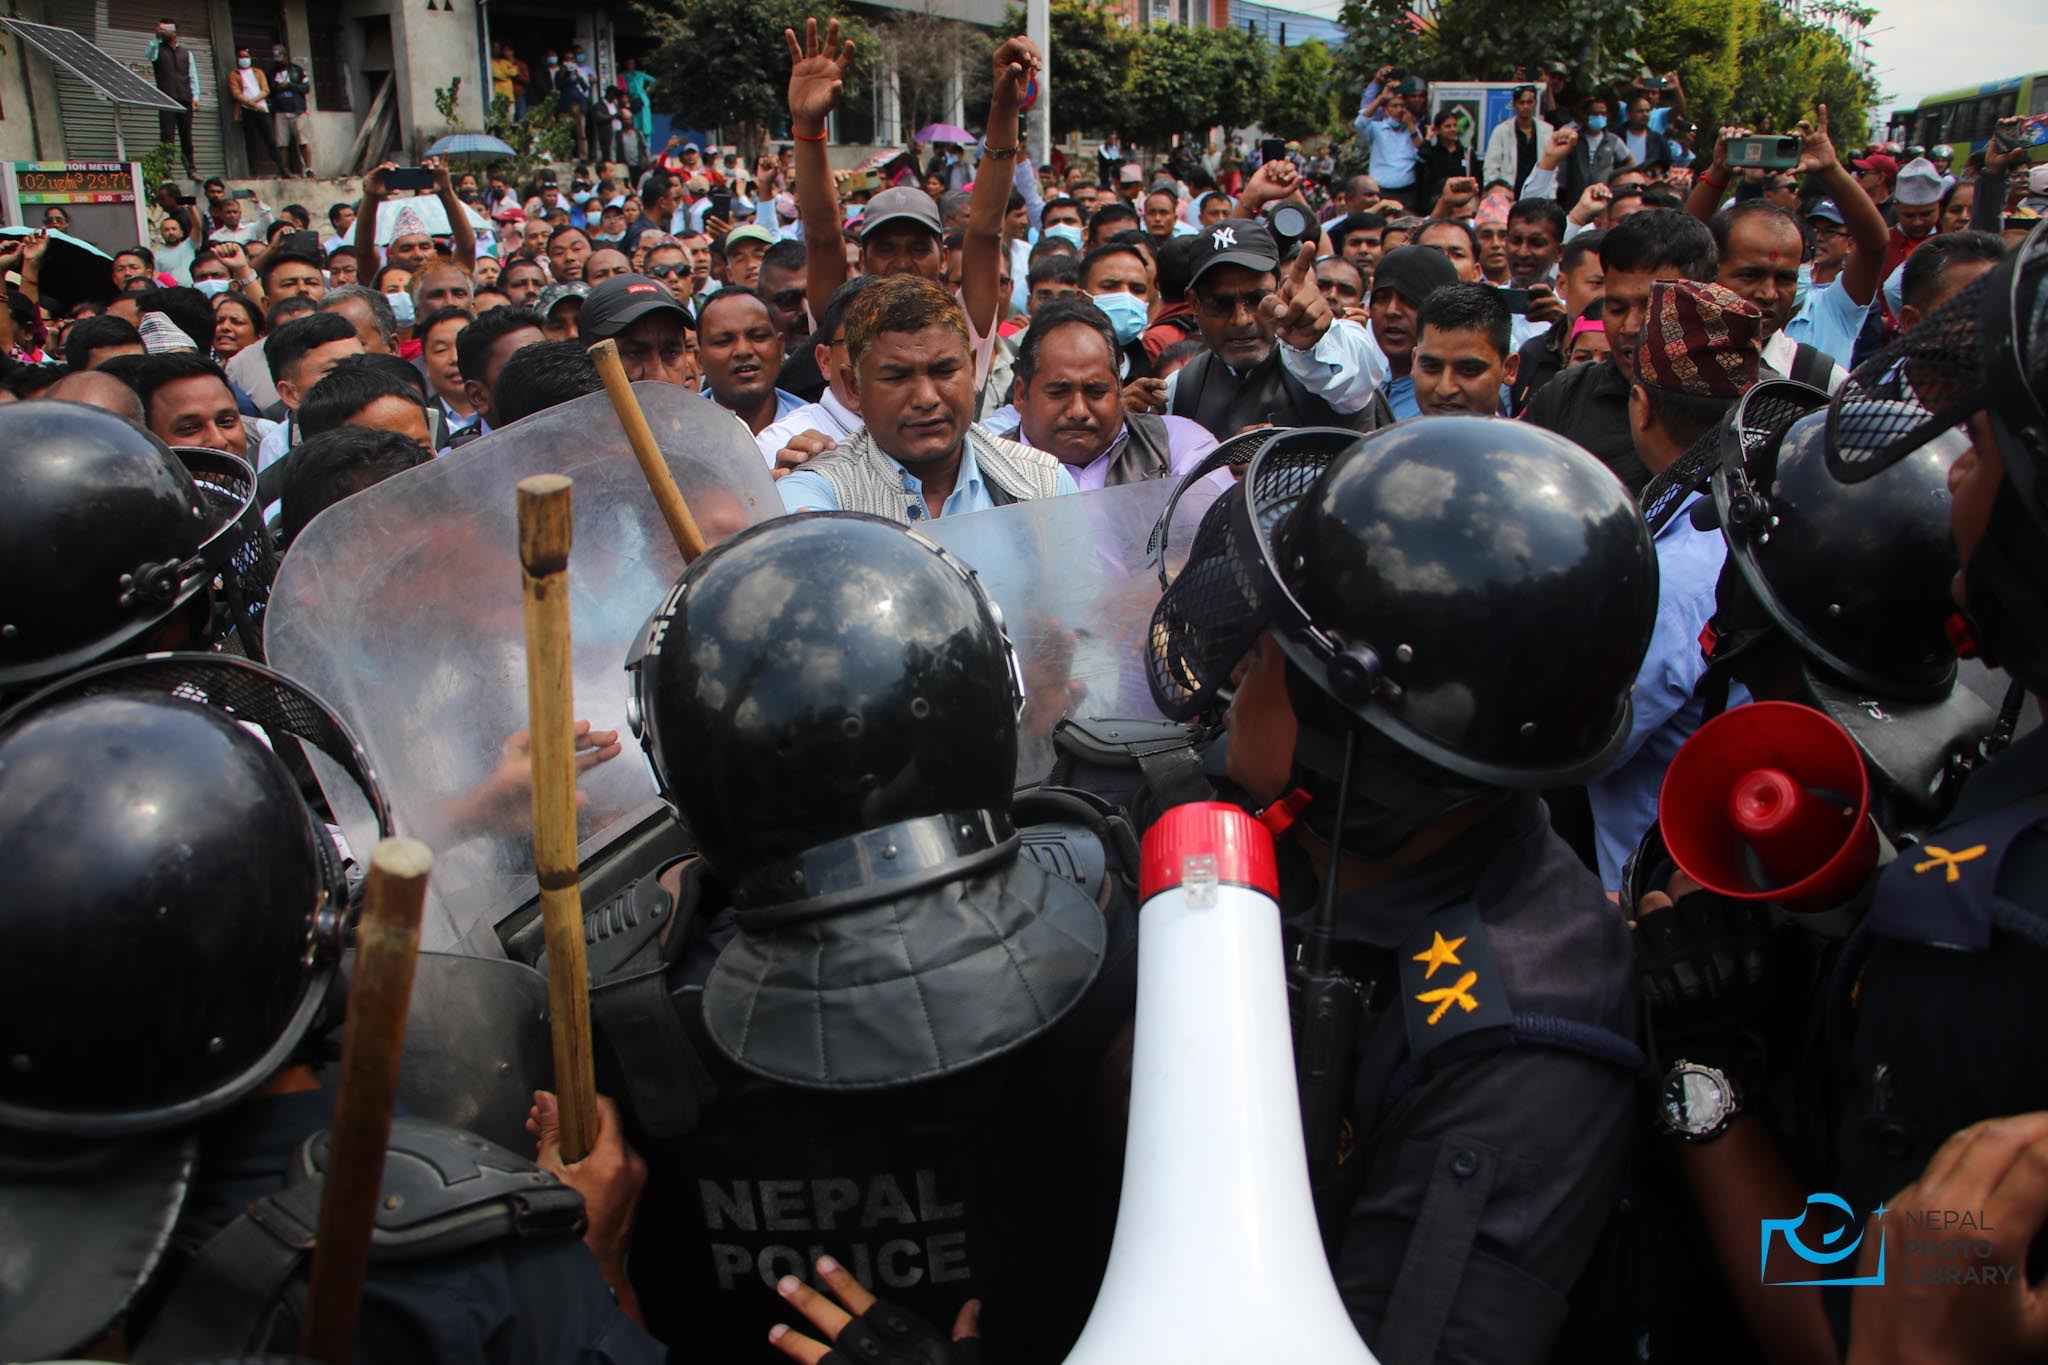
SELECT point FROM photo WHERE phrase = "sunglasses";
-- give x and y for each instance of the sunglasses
(1226, 305)
(662, 272)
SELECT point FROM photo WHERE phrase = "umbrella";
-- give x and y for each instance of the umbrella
(945, 132)
(74, 270)
(477, 146)
(874, 161)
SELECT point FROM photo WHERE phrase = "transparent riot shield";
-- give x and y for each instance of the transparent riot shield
(1077, 586)
(402, 607)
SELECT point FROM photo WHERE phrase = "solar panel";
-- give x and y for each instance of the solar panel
(70, 50)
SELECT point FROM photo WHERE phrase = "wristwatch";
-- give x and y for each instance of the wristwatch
(1698, 1102)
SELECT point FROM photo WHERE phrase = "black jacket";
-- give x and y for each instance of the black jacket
(1589, 404)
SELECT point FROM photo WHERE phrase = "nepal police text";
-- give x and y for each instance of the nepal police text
(869, 1209)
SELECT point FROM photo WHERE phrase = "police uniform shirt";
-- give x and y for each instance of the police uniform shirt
(540, 1301)
(1486, 1166)
(1948, 1006)
(1666, 705)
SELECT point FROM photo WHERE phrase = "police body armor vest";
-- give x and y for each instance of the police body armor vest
(444, 1190)
(1226, 403)
(974, 1185)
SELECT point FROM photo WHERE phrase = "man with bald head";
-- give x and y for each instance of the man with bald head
(98, 389)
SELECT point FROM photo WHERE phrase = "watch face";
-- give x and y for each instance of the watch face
(1695, 1099)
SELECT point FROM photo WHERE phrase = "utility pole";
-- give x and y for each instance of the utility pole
(1038, 27)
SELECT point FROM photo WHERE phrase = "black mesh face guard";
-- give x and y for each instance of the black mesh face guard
(245, 691)
(1754, 424)
(1234, 454)
(1928, 381)
(238, 552)
(1986, 347)
(1231, 588)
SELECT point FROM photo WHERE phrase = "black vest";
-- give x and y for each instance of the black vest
(982, 1184)
(1226, 403)
(173, 72)
(1144, 453)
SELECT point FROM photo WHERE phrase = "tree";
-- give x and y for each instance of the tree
(922, 48)
(1790, 65)
(1301, 97)
(1188, 80)
(1702, 41)
(1091, 63)
(725, 62)
(1494, 40)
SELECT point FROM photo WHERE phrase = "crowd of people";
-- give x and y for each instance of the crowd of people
(1542, 468)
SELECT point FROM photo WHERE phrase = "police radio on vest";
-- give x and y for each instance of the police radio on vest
(1216, 1201)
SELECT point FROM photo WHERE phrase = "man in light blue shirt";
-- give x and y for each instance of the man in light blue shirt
(1391, 136)
(1698, 355)
(920, 454)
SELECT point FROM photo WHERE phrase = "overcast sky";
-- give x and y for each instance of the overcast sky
(1923, 48)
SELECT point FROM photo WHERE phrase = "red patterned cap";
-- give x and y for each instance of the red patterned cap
(1699, 339)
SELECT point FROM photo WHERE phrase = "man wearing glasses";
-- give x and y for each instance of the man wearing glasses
(1276, 355)
(669, 265)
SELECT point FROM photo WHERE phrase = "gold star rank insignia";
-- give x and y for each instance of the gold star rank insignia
(1440, 1006)
(1459, 994)
(1442, 952)
(1942, 858)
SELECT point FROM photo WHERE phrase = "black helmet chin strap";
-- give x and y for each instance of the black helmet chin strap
(1323, 933)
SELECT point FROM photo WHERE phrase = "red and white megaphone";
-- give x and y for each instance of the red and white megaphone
(1770, 801)
(1216, 1201)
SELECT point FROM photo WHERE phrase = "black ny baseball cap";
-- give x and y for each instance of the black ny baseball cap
(1234, 241)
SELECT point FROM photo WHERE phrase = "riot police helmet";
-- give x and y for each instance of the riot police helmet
(106, 535)
(175, 908)
(1982, 352)
(830, 703)
(1856, 576)
(1478, 594)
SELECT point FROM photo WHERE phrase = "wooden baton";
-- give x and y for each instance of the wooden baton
(372, 1042)
(544, 534)
(668, 497)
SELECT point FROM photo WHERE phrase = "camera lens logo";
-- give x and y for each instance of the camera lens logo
(1839, 1234)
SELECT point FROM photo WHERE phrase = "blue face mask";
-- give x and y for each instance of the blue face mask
(401, 308)
(212, 288)
(1126, 313)
(1597, 123)
(1066, 232)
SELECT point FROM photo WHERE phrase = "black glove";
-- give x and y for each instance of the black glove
(889, 1335)
(1707, 966)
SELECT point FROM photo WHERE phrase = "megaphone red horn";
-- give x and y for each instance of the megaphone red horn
(1770, 801)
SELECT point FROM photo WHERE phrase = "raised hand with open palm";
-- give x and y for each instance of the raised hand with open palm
(817, 76)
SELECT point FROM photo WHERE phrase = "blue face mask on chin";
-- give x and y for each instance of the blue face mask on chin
(1597, 123)
(1126, 313)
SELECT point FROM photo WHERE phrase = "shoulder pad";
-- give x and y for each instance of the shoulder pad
(1105, 739)
(1069, 851)
(1450, 985)
(446, 1190)
(1943, 892)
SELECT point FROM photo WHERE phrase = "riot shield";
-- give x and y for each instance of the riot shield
(402, 607)
(476, 1045)
(1077, 586)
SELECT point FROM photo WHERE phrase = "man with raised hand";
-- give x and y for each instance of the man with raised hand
(900, 228)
